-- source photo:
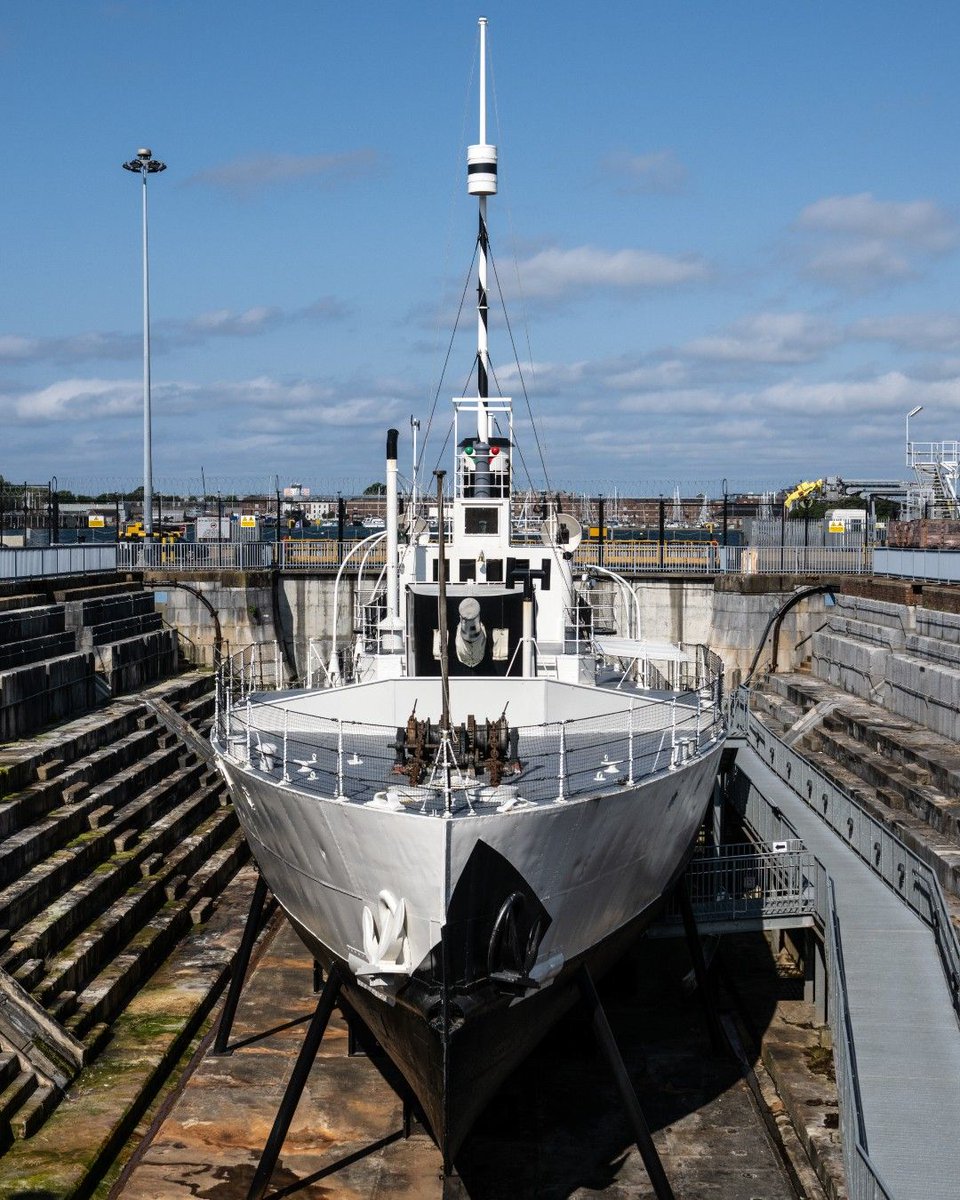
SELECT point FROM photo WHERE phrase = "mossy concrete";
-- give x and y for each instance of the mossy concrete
(80, 1142)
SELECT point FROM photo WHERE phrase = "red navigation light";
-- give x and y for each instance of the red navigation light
(494, 451)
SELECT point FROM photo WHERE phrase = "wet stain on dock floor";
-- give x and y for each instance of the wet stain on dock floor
(555, 1131)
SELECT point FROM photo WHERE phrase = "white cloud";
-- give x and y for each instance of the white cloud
(245, 175)
(859, 242)
(859, 266)
(881, 395)
(920, 223)
(167, 334)
(556, 273)
(660, 172)
(768, 338)
(913, 331)
(77, 400)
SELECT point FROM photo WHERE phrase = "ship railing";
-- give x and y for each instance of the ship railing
(560, 760)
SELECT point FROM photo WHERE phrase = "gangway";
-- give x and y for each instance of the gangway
(897, 1042)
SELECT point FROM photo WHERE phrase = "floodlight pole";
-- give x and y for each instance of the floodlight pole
(145, 164)
(912, 413)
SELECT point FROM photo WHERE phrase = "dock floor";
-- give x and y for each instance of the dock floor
(555, 1130)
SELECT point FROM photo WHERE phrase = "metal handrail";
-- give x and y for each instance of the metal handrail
(887, 856)
(636, 557)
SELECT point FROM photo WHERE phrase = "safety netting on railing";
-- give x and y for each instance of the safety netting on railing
(534, 763)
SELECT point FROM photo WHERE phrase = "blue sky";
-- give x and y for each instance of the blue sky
(728, 235)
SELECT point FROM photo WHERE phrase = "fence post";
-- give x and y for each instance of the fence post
(339, 757)
(249, 755)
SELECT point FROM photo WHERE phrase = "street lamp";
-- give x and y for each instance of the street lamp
(912, 413)
(145, 164)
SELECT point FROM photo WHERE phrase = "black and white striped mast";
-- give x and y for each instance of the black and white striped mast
(482, 182)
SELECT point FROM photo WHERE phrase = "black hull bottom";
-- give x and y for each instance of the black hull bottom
(454, 1077)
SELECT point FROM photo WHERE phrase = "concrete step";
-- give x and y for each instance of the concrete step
(900, 740)
(34, 1110)
(46, 880)
(38, 649)
(896, 786)
(9, 1067)
(62, 920)
(106, 931)
(941, 855)
(111, 990)
(116, 631)
(29, 845)
(95, 591)
(69, 741)
(182, 689)
(199, 712)
(24, 600)
(14, 1095)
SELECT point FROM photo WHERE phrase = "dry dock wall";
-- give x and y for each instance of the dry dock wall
(903, 656)
(728, 613)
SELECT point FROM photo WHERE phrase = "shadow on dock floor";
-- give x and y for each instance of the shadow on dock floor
(554, 1131)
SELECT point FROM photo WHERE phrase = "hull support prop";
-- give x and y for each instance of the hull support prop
(240, 963)
(702, 975)
(608, 1045)
(298, 1081)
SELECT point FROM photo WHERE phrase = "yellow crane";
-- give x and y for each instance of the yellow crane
(803, 491)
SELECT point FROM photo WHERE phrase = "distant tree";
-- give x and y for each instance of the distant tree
(375, 489)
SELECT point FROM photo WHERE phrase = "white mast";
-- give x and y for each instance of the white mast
(482, 182)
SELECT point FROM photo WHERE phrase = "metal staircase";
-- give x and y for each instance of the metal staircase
(937, 468)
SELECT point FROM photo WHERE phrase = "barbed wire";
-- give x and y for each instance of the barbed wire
(353, 486)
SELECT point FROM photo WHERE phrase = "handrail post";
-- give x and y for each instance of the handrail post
(562, 774)
(286, 722)
(339, 756)
(630, 748)
(249, 753)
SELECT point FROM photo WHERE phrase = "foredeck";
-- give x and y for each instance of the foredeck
(282, 738)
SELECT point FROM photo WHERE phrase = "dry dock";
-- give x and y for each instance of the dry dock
(555, 1130)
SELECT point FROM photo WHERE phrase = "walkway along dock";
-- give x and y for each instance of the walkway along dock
(897, 1041)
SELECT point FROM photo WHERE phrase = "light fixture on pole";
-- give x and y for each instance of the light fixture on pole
(912, 413)
(145, 164)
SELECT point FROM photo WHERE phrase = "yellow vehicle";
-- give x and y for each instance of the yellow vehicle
(134, 530)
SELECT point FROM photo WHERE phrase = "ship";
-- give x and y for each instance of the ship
(498, 780)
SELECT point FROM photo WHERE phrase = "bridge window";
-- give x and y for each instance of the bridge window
(481, 520)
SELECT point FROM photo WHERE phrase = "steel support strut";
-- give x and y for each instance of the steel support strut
(608, 1044)
(240, 964)
(704, 987)
(298, 1081)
